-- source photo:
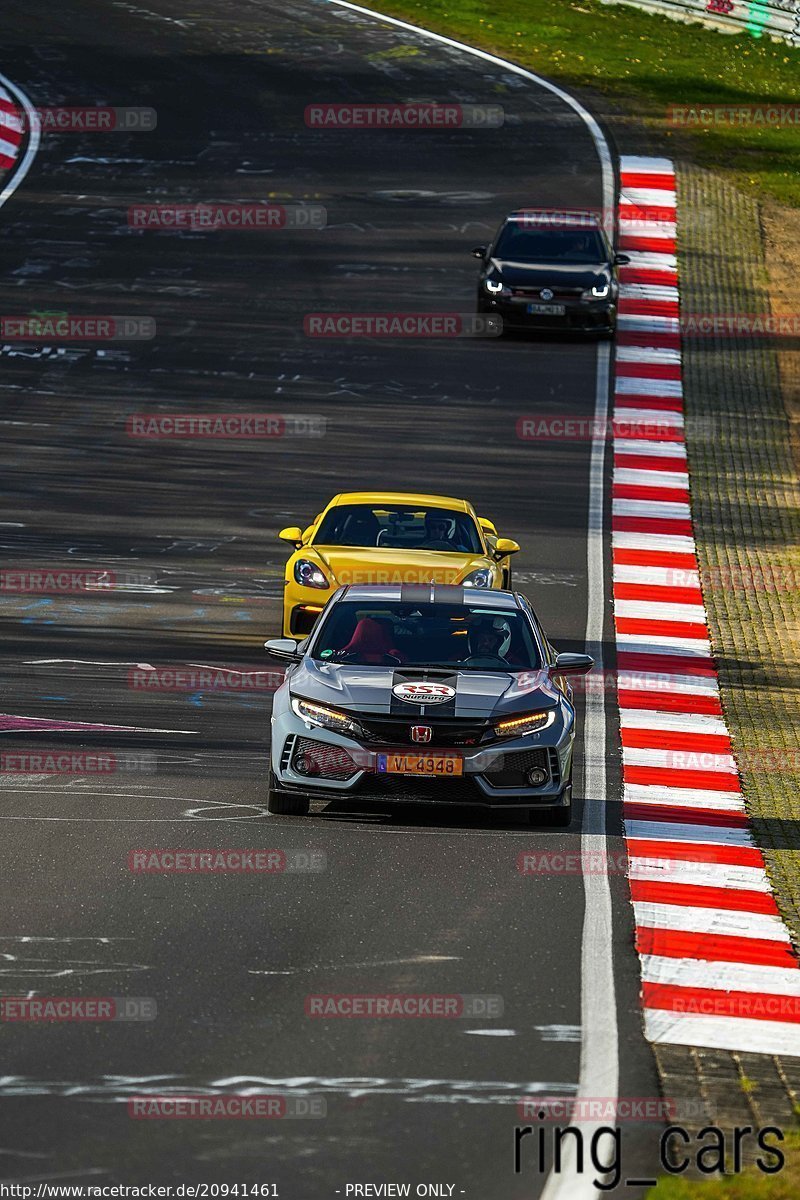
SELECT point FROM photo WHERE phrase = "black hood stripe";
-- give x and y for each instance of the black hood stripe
(415, 593)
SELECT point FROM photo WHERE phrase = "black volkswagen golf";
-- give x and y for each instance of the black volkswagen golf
(550, 272)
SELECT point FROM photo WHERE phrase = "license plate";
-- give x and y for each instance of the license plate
(446, 765)
(549, 310)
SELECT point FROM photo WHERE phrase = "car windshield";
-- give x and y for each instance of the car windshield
(399, 527)
(459, 636)
(550, 245)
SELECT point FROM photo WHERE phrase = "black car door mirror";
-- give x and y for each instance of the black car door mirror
(571, 664)
(479, 252)
(621, 259)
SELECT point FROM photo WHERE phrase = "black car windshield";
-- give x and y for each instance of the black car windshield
(520, 244)
(463, 637)
(400, 527)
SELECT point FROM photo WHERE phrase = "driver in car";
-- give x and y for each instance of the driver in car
(437, 532)
(485, 642)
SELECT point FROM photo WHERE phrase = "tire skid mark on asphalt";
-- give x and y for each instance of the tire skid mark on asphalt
(13, 723)
(718, 966)
(113, 1088)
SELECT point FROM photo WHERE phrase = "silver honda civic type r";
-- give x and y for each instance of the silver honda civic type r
(426, 694)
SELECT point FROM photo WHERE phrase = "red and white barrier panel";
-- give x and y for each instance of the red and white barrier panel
(718, 968)
(10, 130)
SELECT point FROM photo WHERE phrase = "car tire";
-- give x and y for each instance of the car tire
(285, 804)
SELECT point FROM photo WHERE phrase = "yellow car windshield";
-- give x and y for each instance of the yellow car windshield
(397, 528)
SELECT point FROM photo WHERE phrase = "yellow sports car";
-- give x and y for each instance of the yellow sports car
(389, 537)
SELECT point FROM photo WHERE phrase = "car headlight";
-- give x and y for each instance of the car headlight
(309, 575)
(527, 723)
(597, 291)
(493, 286)
(481, 578)
(326, 718)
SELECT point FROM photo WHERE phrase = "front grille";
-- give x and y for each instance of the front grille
(404, 787)
(322, 760)
(513, 769)
(534, 293)
(396, 731)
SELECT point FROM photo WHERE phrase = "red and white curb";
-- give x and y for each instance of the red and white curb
(718, 967)
(20, 135)
(11, 130)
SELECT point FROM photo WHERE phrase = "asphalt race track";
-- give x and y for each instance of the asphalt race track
(411, 900)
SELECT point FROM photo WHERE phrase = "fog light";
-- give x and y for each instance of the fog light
(536, 776)
(304, 764)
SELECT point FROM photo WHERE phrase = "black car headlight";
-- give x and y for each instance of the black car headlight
(309, 574)
(324, 717)
(526, 723)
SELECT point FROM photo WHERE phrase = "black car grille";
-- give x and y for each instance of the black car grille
(405, 787)
(303, 620)
(396, 731)
(513, 769)
(321, 760)
(534, 293)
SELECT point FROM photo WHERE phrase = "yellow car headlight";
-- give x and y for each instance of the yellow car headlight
(326, 718)
(526, 723)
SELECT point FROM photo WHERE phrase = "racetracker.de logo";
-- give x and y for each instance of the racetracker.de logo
(59, 118)
(225, 862)
(224, 425)
(740, 325)
(558, 428)
(758, 116)
(200, 678)
(383, 575)
(549, 862)
(401, 1005)
(629, 215)
(258, 217)
(64, 580)
(401, 325)
(77, 1008)
(225, 1108)
(608, 1109)
(712, 1003)
(74, 762)
(422, 116)
(67, 327)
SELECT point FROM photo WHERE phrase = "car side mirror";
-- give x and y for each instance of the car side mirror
(504, 547)
(621, 259)
(284, 648)
(293, 534)
(572, 664)
(478, 252)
